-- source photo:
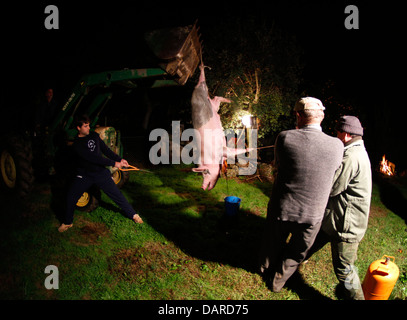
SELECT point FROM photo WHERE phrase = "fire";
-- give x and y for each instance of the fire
(387, 167)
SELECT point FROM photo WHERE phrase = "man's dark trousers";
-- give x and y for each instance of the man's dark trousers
(286, 254)
(102, 179)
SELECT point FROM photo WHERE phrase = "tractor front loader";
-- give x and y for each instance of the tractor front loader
(178, 53)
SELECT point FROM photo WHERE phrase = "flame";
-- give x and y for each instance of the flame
(387, 167)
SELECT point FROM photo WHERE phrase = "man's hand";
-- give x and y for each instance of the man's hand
(124, 163)
(121, 164)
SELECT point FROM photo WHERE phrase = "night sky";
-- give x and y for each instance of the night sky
(366, 64)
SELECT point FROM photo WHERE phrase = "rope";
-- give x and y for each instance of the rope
(265, 147)
(130, 168)
(133, 168)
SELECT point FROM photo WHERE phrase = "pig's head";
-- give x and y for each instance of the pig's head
(210, 175)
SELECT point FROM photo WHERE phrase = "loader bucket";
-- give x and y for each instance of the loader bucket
(178, 48)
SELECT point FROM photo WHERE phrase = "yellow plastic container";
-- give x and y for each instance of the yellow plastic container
(380, 279)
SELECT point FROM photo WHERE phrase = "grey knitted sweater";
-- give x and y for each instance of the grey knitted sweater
(306, 161)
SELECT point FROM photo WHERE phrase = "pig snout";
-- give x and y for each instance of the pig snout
(210, 175)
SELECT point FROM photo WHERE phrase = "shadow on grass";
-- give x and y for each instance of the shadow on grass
(196, 223)
(203, 231)
(297, 284)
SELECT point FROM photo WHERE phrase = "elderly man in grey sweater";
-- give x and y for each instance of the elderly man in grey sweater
(306, 160)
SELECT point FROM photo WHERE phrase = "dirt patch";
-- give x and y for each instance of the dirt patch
(7, 281)
(151, 260)
(376, 212)
(90, 233)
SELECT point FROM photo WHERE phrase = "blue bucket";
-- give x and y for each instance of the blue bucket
(232, 205)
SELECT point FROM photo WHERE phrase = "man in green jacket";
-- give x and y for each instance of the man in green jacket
(347, 213)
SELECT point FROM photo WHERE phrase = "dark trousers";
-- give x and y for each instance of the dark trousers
(102, 179)
(281, 254)
(344, 255)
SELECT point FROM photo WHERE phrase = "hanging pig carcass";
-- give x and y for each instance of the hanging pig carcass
(210, 136)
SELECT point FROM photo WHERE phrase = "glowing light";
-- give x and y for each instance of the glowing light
(246, 120)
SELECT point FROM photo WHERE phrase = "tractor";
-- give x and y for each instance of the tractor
(177, 52)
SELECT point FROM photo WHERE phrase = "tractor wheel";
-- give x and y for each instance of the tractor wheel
(16, 173)
(120, 178)
(89, 200)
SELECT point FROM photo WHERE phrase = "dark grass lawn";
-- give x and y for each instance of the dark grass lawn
(186, 249)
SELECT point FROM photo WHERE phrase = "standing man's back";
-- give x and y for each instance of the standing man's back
(306, 160)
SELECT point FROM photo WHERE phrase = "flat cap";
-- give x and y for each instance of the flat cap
(308, 103)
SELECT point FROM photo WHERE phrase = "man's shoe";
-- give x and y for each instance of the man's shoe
(137, 219)
(63, 227)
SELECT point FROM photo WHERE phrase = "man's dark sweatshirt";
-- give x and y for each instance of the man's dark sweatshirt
(89, 152)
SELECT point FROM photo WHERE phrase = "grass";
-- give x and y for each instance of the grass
(184, 250)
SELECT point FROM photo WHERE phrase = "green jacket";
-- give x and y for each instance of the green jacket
(347, 213)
